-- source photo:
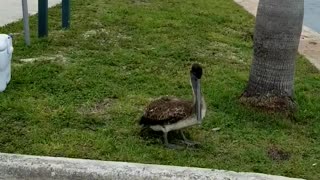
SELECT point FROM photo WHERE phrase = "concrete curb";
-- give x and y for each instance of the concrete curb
(14, 166)
(309, 42)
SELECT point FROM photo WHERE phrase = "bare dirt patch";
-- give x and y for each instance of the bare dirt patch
(57, 58)
(96, 109)
(277, 154)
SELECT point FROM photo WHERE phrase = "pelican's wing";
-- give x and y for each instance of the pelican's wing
(166, 110)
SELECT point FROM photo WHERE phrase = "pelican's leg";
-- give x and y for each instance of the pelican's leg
(167, 144)
(187, 141)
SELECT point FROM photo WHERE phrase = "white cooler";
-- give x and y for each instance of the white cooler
(6, 50)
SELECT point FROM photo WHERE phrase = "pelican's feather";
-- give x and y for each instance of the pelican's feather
(167, 110)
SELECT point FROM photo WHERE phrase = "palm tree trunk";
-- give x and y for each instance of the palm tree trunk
(276, 40)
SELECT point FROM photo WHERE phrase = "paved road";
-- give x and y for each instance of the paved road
(11, 10)
(312, 14)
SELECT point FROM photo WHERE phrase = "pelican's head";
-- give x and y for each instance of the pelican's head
(195, 75)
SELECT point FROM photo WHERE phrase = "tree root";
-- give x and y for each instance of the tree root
(270, 102)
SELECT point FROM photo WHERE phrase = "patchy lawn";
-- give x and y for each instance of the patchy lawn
(79, 93)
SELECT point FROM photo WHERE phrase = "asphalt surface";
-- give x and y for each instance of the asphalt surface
(312, 14)
(11, 10)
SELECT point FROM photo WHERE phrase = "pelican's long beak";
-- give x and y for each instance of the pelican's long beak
(198, 100)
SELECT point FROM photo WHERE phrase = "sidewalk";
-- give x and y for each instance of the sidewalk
(11, 10)
(309, 42)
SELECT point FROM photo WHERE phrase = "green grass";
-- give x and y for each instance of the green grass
(85, 100)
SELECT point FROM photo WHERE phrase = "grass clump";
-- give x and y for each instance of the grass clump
(83, 94)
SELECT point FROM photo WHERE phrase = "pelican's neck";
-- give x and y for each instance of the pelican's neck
(203, 103)
(203, 107)
(193, 94)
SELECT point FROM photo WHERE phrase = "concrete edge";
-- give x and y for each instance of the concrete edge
(15, 166)
(309, 45)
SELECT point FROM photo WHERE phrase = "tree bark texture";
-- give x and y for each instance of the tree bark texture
(276, 40)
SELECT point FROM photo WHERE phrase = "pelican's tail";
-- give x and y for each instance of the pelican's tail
(142, 122)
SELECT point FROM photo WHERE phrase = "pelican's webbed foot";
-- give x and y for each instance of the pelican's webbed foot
(187, 141)
(168, 145)
(174, 146)
(190, 143)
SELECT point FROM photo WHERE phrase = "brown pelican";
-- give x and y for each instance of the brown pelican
(170, 113)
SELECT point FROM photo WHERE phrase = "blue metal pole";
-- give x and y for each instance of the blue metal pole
(42, 18)
(65, 14)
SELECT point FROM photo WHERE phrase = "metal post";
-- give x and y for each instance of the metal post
(65, 14)
(42, 18)
(26, 22)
